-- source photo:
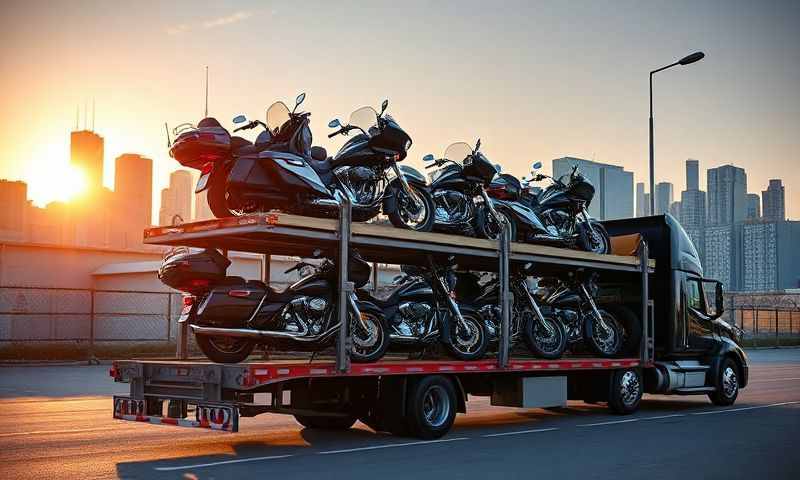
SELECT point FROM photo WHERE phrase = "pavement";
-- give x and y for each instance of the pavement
(55, 422)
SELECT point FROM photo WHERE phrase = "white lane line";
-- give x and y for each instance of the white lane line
(628, 420)
(755, 407)
(224, 462)
(390, 445)
(663, 416)
(55, 432)
(519, 432)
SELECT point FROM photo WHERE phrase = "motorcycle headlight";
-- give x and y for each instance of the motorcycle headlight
(408, 145)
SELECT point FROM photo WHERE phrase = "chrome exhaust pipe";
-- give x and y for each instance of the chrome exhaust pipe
(260, 334)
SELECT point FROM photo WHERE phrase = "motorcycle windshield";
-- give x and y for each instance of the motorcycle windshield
(277, 116)
(364, 118)
(457, 152)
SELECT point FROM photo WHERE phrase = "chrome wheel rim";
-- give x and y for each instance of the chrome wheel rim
(467, 343)
(365, 341)
(411, 220)
(609, 339)
(629, 388)
(436, 406)
(547, 343)
(493, 226)
(730, 384)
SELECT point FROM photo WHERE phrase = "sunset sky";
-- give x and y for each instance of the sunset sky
(534, 80)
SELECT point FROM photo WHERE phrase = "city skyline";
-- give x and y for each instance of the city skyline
(559, 93)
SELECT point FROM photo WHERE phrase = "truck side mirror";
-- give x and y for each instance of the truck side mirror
(714, 304)
(720, 299)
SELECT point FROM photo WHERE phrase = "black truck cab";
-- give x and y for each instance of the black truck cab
(696, 352)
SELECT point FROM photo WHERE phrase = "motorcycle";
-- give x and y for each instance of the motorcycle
(230, 316)
(543, 334)
(421, 311)
(608, 330)
(560, 209)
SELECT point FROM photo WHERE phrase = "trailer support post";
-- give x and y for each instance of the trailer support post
(646, 347)
(506, 299)
(345, 287)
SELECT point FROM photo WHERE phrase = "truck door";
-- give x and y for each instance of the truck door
(699, 315)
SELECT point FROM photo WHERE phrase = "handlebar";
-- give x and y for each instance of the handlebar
(298, 266)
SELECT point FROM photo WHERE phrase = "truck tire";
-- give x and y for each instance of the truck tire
(430, 407)
(224, 350)
(625, 391)
(727, 384)
(326, 423)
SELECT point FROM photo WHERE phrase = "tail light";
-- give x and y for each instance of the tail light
(239, 293)
(188, 301)
(206, 168)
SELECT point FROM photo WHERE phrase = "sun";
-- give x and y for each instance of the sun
(51, 178)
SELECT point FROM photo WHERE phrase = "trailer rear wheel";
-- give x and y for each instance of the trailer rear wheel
(431, 407)
(325, 422)
(625, 391)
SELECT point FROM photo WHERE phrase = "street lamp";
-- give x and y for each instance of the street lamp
(694, 57)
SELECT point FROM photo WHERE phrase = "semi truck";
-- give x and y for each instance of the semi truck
(654, 270)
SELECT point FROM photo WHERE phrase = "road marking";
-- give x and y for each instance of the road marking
(390, 445)
(755, 407)
(520, 432)
(663, 416)
(53, 432)
(628, 420)
(224, 462)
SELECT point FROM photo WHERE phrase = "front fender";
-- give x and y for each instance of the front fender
(726, 348)
(412, 176)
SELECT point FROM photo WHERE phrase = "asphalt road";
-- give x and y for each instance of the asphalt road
(55, 422)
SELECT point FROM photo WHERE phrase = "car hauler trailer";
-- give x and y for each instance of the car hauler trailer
(419, 397)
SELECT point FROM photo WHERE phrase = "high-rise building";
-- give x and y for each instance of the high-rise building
(675, 209)
(774, 201)
(86, 154)
(769, 258)
(664, 197)
(642, 201)
(613, 197)
(201, 209)
(692, 174)
(727, 190)
(133, 185)
(176, 200)
(723, 254)
(753, 207)
(13, 203)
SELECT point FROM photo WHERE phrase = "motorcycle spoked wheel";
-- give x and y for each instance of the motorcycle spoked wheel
(225, 349)
(413, 214)
(369, 345)
(597, 242)
(549, 344)
(470, 344)
(604, 342)
(487, 226)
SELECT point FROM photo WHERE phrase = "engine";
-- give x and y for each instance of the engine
(453, 207)
(362, 181)
(413, 318)
(305, 315)
(559, 219)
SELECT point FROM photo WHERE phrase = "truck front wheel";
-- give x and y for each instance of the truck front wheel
(727, 384)
(625, 392)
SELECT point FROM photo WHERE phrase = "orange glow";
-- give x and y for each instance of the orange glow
(60, 183)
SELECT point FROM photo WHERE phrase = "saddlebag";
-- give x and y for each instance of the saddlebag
(231, 303)
(193, 272)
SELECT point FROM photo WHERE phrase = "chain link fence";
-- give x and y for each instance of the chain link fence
(85, 323)
(767, 318)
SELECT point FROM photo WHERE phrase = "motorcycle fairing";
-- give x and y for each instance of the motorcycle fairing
(522, 214)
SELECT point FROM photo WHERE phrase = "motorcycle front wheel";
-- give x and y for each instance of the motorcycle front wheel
(488, 227)
(415, 213)
(545, 341)
(596, 240)
(369, 344)
(606, 342)
(225, 349)
(469, 343)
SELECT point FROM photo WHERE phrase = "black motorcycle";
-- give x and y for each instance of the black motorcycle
(608, 330)
(230, 315)
(282, 171)
(543, 334)
(421, 311)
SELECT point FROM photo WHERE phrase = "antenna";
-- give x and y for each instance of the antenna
(206, 113)
(77, 116)
(85, 112)
(93, 114)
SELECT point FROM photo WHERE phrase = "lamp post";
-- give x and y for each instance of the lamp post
(694, 57)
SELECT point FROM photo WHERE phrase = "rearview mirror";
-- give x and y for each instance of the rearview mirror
(536, 166)
(239, 119)
(299, 99)
(478, 145)
(498, 167)
(384, 105)
(428, 158)
(335, 123)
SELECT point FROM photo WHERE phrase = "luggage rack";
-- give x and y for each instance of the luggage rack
(285, 234)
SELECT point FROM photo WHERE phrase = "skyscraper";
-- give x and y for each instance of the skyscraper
(753, 207)
(201, 209)
(642, 201)
(133, 185)
(86, 154)
(176, 200)
(769, 255)
(692, 174)
(774, 201)
(693, 208)
(664, 197)
(13, 203)
(613, 197)
(727, 190)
